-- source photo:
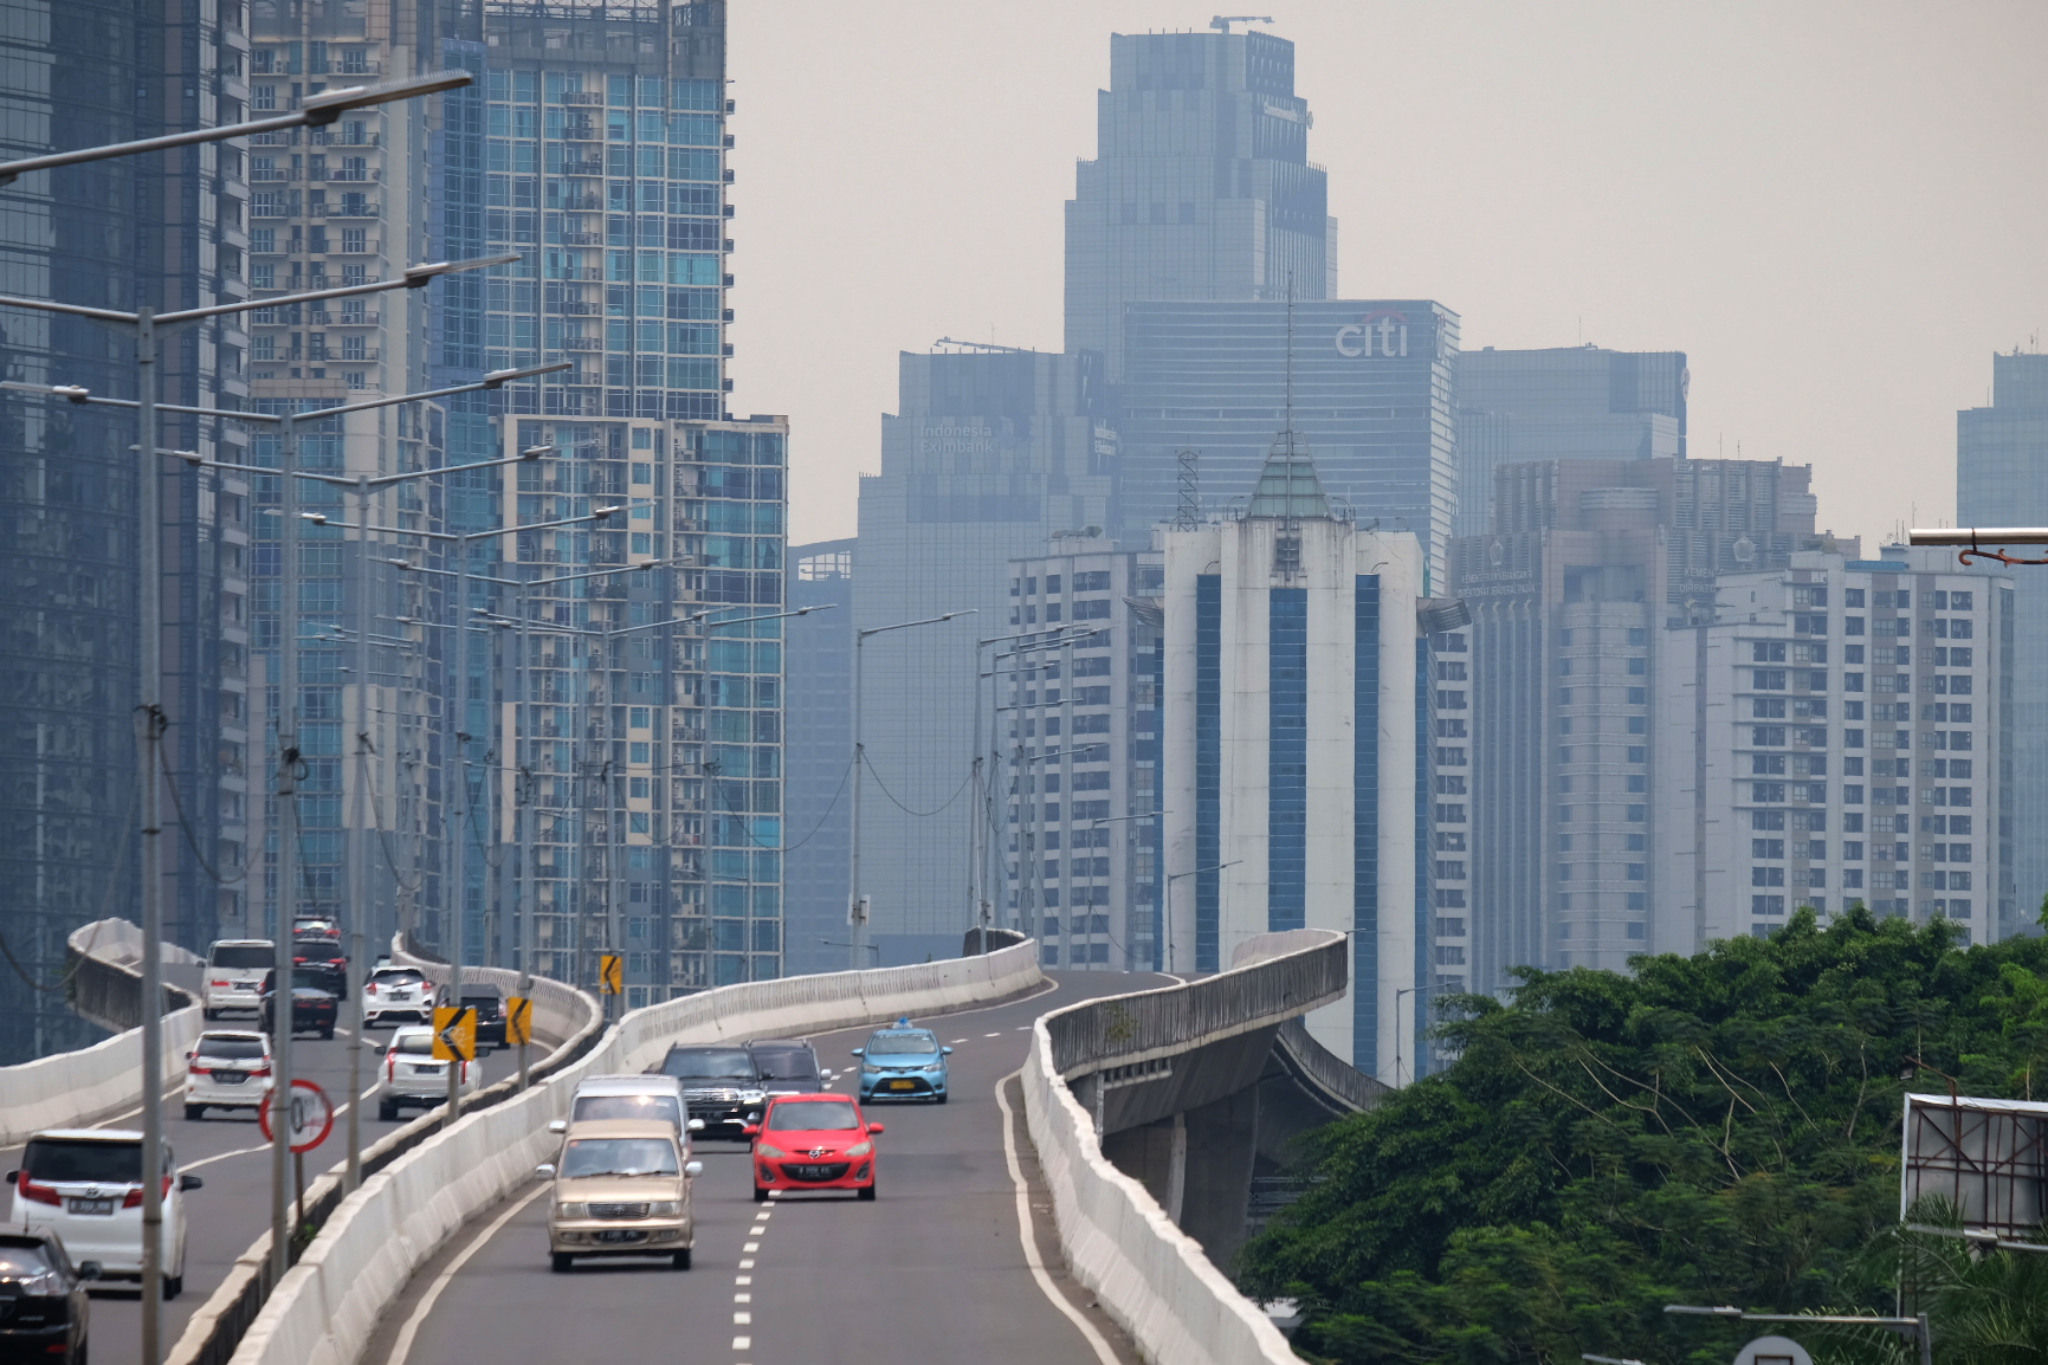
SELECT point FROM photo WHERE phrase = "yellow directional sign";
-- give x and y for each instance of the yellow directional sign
(518, 1020)
(454, 1034)
(611, 973)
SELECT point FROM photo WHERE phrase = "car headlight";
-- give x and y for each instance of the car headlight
(870, 1069)
(572, 1210)
(935, 1068)
(860, 1149)
(772, 1153)
(665, 1208)
(753, 1096)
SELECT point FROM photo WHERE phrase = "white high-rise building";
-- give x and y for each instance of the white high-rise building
(1836, 733)
(1291, 710)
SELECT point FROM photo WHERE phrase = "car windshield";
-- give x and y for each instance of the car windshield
(82, 1159)
(812, 1116)
(245, 957)
(661, 1108)
(212, 1045)
(23, 1262)
(397, 976)
(619, 1156)
(902, 1042)
(483, 998)
(419, 1044)
(701, 1064)
(786, 1064)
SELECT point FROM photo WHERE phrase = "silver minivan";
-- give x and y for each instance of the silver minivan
(235, 968)
(630, 1097)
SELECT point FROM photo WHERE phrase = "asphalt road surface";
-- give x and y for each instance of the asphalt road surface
(934, 1270)
(227, 1151)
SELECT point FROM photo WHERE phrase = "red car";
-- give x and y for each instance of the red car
(813, 1142)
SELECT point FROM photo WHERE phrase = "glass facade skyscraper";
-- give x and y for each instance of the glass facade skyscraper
(1201, 186)
(166, 231)
(2002, 480)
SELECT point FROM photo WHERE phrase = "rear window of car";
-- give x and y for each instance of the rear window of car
(231, 1048)
(482, 998)
(243, 957)
(661, 1108)
(99, 1163)
(397, 976)
(324, 948)
(414, 1044)
(786, 1063)
(811, 1116)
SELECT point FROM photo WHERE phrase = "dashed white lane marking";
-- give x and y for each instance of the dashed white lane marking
(959, 1040)
(223, 1156)
(751, 1247)
(991, 1035)
(757, 1229)
(742, 1319)
(1029, 1238)
(743, 1279)
(401, 1347)
(743, 1298)
(747, 1264)
(742, 1343)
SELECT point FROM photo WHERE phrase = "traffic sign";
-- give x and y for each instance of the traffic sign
(311, 1117)
(611, 973)
(1773, 1351)
(518, 1020)
(454, 1033)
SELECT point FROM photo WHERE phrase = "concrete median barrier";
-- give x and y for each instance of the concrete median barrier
(326, 1308)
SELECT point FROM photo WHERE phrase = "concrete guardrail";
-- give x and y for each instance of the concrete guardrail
(1154, 1279)
(328, 1305)
(89, 1084)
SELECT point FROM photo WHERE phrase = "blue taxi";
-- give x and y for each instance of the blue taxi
(903, 1062)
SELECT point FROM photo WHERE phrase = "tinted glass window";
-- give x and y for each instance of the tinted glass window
(397, 976)
(414, 1044)
(786, 1063)
(244, 959)
(100, 1163)
(661, 1108)
(20, 1263)
(319, 949)
(709, 1064)
(229, 1047)
(619, 1156)
(902, 1042)
(813, 1116)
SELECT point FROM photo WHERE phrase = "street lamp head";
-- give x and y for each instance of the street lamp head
(497, 379)
(317, 518)
(324, 108)
(535, 452)
(418, 276)
(602, 513)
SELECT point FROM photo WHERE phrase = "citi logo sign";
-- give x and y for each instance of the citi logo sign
(1382, 333)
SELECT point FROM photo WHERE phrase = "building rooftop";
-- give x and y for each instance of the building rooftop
(1288, 487)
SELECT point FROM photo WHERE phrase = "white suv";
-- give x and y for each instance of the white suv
(397, 991)
(234, 975)
(85, 1185)
(414, 1076)
(227, 1069)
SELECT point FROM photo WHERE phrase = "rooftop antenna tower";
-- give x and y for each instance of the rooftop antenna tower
(1222, 22)
(1287, 545)
(1187, 514)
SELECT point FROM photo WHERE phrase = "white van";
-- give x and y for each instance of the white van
(652, 1096)
(85, 1185)
(234, 975)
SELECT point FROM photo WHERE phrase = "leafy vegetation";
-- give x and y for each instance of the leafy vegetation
(1719, 1129)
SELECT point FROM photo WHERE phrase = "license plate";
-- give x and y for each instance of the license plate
(903, 1085)
(230, 1077)
(426, 1071)
(97, 1206)
(621, 1235)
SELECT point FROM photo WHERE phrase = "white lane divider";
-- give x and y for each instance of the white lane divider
(1028, 1236)
(403, 1345)
(223, 1156)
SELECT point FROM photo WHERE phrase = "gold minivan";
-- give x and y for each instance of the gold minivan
(622, 1188)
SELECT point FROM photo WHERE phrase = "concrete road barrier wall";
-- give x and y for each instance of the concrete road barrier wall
(74, 1088)
(326, 1308)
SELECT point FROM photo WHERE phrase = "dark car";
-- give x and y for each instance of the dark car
(44, 1313)
(721, 1086)
(323, 951)
(489, 1004)
(314, 1007)
(788, 1066)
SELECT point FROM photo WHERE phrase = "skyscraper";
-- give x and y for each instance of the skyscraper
(1201, 186)
(989, 453)
(164, 230)
(2002, 480)
(1293, 703)
(818, 747)
(1562, 403)
(1586, 562)
(1368, 384)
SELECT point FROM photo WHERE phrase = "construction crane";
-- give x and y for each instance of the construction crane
(1222, 22)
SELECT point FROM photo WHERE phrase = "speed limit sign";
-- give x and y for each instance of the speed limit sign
(311, 1118)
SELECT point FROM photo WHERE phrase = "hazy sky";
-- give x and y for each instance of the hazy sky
(1838, 210)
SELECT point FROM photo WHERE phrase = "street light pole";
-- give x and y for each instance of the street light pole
(1916, 1327)
(1170, 880)
(856, 913)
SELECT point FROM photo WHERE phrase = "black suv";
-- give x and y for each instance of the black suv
(721, 1086)
(44, 1313)
(788, 1066)
(314, 1006)
(325, 953)
(489, 1004)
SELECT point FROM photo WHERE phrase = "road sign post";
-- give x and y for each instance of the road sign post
(519, 1028)
(309, 1118)
(455, 1044)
